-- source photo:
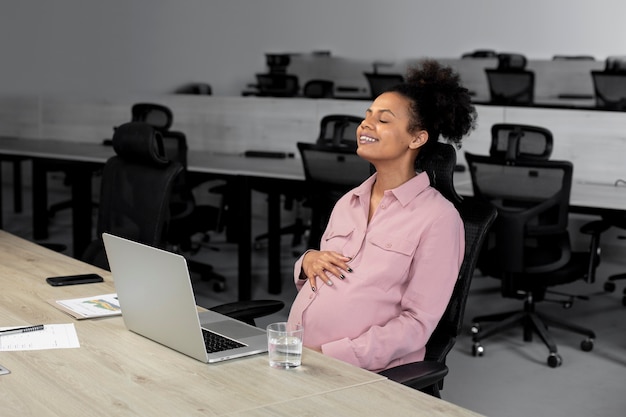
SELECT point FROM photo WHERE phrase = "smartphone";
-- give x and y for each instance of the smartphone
(74, 279)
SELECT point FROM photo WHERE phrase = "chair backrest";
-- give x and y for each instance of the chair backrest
(380, 82)
(477, 219)
(511, 86)
(329, 173)
(339, 130)
(516, 141)
(532, 199)
(156, 115)
(318, 89)
(135, 190)
(277, 85)
(610, 89)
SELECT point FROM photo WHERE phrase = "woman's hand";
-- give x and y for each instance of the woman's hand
(317, 264)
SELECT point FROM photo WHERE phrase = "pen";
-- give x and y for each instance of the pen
(21, 330)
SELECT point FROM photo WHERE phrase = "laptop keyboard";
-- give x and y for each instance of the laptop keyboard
(218, 343)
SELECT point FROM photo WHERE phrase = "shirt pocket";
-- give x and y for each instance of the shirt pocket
(393, 256)
(338, 239)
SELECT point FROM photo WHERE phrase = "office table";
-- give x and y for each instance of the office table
(117, 372)
(586, 197)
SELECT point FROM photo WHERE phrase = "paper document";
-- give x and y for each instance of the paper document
(53, 336)
(90, 307)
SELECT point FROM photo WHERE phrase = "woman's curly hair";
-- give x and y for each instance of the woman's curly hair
(439, 103)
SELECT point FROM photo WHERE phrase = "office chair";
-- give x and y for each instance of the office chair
(318, 89)
(428, 375)
(329, 173)
(510, 82)
(135, 190)
(609, 89)
(530, 252)
(156, 115)
(379, 83)
(339, 130)
(277, 85)
(336, 130)
(518, 141)
(614, 220)
(135, 197)
(573, 58)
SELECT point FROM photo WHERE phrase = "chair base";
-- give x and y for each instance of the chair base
(532, 322)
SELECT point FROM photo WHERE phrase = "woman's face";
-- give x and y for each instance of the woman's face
(383, 134)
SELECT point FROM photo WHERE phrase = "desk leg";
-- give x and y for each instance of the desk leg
(244, 210)
(273, 230)
(40, 200)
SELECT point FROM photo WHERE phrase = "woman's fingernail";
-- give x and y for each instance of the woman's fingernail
(342, 276)
(329, 283)
(313, 288)
(349, 269)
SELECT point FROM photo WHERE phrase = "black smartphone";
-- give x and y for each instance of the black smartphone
(74, 279)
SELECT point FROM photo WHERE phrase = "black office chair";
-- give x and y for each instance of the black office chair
(277, 85)
(336, 130)
(518, 141)
(135, 190)
(573, 58)
(329, 173)
(135, 203)
(379, 83)
(530, 252)
(428, 375)
(158, 116)
(339, 130)
(318, 89)
(511, 83)
(610, 85)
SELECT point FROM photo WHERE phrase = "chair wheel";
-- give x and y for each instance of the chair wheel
(554, 360)
(609, 286)
(586, 345)
(477, 349)
(475, 328)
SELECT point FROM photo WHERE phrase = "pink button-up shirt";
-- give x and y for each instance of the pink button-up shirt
(405, 263)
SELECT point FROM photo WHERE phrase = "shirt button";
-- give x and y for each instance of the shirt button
(382, 206)
(388, 245)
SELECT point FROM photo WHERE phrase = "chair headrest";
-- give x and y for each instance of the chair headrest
(139, 142)
(615, 64)
(511, 61)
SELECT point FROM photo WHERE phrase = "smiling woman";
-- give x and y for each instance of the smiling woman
(390, 255)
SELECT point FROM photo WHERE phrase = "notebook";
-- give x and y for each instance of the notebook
(157, 301)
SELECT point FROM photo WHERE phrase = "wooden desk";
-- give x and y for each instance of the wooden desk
(120, 373)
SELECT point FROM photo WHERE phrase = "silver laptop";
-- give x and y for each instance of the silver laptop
(157, 301)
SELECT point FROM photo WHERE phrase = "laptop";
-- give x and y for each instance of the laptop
(157, 301)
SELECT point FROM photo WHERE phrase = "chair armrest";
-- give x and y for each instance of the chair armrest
(247, 311)
(417, 375)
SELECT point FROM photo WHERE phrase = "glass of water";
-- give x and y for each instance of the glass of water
(284, 344)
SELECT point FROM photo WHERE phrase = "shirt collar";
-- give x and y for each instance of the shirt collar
(404, 193)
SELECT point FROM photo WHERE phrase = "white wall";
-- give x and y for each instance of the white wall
(152, 46)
